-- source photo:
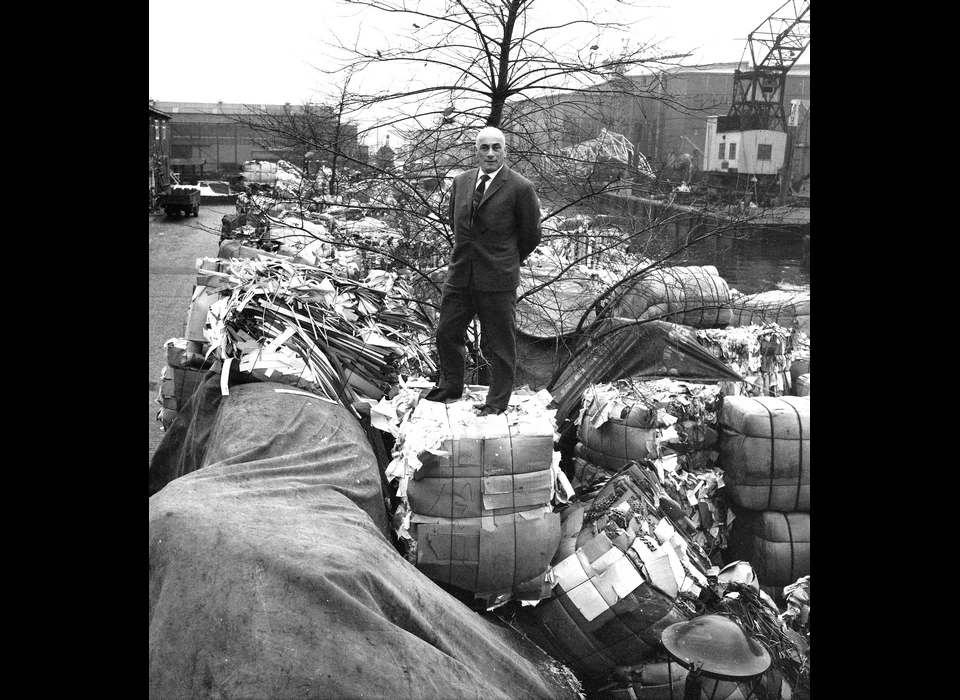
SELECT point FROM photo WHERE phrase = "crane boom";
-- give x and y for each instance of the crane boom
(774, 47)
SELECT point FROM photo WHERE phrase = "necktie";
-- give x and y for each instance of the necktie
(478, 195)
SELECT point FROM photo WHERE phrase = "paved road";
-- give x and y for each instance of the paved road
(175, 245)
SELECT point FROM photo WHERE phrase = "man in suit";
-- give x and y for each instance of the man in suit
(495, 214)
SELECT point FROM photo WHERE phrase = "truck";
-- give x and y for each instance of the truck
(182, 198)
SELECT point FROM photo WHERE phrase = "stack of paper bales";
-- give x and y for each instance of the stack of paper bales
(674, 425)
(630, 420)
(478, 493)
(692, 296)
(765, 456)
(179, 378)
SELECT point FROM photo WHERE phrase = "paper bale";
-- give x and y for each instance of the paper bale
(765, 452)
(479, 493)
(694, 296)
(777, 545)
(494, 556)
(484, 476)
(603, 613)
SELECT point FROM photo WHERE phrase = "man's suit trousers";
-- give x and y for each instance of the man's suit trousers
(497, 312)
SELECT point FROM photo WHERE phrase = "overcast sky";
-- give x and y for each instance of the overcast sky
(266, 51)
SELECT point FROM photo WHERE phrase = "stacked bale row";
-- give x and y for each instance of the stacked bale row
(480, 499)
(765, 456)
(671, 423)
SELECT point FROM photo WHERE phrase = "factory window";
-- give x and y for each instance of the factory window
(764, 151)
(723, 150)
(733, 151)
(181, 151)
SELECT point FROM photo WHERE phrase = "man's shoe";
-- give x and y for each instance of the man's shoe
(490, 411)
(442, 395)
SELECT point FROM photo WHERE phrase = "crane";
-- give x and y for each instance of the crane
(751, 141)
(774, 47)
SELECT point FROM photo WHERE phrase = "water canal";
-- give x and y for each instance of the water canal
(756, 264)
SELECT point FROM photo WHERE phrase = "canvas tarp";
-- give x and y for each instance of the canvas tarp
(272, 576)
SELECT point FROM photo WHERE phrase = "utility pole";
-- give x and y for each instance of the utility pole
(786, 172)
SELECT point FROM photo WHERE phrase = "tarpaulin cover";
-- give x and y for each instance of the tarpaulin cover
(622, 348)
(271, 575)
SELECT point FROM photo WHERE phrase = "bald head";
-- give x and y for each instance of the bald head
(491, 148)
(491, 132)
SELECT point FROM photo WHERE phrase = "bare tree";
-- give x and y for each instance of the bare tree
(566, 82)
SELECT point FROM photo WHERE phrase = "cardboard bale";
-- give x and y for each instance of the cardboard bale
(603, 612)
(481, 476)
(585, 472)
(479, 493)
(790, 309)
(177, 385)
(764, 451)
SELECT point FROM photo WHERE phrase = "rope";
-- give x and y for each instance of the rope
(796, 505)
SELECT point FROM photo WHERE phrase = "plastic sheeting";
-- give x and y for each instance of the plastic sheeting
(271, 575)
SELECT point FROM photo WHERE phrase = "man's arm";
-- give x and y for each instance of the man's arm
(451, 198)
(528, 219)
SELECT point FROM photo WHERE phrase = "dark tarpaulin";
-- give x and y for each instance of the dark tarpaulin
(621, 347)
(272, 574)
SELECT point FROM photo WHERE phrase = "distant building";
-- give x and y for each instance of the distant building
(386, 156)
(665, 122)
(212, 140)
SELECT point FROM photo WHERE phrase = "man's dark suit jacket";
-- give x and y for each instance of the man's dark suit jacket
(502, 233)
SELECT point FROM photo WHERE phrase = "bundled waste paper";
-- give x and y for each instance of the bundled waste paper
(179, 378)
(762, 353)
(300, 324)
(476, 494)
(671, 423)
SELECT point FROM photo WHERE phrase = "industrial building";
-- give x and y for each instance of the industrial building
(664, 114)
(212, 140)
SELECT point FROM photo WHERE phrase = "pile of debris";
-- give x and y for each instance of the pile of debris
(764, 354)
(593, 552)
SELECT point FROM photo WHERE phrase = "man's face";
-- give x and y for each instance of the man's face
(490, 151)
